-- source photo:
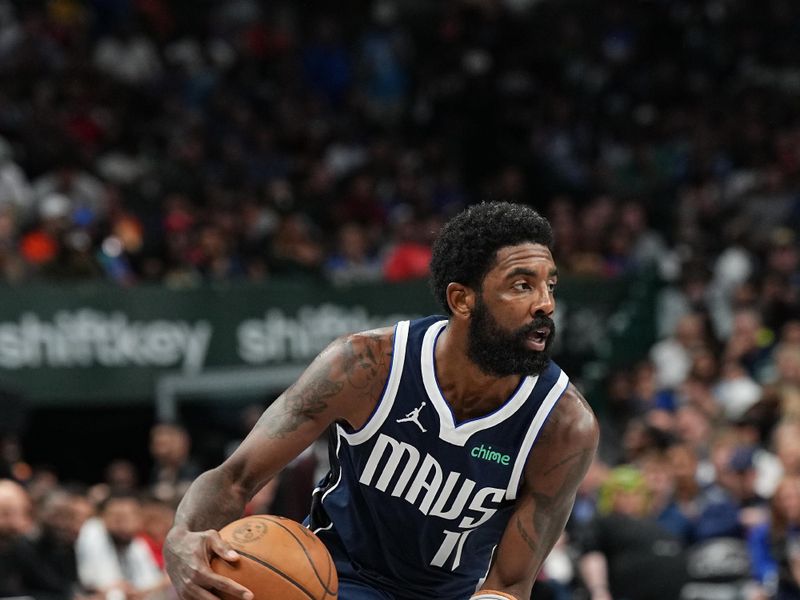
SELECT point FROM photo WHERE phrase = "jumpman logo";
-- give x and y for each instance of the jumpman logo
(414, 416)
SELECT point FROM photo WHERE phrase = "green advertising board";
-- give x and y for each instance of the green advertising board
(103, 344)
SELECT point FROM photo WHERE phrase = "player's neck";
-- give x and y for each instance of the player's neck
(469, 391)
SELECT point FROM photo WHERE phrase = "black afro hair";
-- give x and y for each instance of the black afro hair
(467, 245)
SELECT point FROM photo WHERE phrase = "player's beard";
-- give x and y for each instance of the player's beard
(500, 352)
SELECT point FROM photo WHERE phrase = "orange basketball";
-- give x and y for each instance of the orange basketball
(279, 560)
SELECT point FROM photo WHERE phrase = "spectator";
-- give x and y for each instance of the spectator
(709, 508)
(410, 254)
(660, 481)
(786, 441)
(787, 379)
(81, 193)
(747, 345)
(739, 479)
(16, 196)
(295, 249)
(112, 558)
(59, 525)
(22, 571)
(775, 547)
(17, 509)
(623, 542)
(173, 468)
(672, 357)
(353, 261)
(157, 518)
(129, 56)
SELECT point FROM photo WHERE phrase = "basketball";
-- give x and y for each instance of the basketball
(280, 559)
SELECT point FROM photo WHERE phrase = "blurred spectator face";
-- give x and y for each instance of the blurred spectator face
(746, 324)
(694, 286)
(624, 492)
(82, 510)
(15, 509)
(787, 363)
(619, 389)
(786, 500)
(689, 331)
(632, 503)
(58, 516)
(740, 473)
(704, 365)
(790, 333)
(658, 476)
(662, 420)
(745, 294)
(783, 257)
(599, 213)
(169, 445)
(213, 243)
(123, 519)
(635, 440)
(121, 475)
(157, 519)
(620, 242)
(697, 394)
(353, 242)
(644, 380)
(597, 474)
(684, 463)
(43, 482)
(722, 450)
(632, 217)
(692, 425)
(787, 446)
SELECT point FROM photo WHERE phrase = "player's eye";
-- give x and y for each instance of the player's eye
(522, 286)
(551, 286)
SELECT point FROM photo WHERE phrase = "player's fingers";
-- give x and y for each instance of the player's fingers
(218, 583)
(195, 592)
(220, 547)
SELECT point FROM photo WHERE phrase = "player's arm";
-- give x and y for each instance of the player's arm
(558, 462)
(342, 384)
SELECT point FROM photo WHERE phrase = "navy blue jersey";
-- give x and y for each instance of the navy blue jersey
(416, 500)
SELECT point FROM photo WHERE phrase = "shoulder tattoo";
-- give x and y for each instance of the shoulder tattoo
(358, 363)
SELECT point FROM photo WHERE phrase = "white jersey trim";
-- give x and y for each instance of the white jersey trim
(339, 432)
(549, 402)
(458, 435)
(386, 402)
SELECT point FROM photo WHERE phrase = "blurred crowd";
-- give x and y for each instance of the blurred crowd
(181, 142)
(69, 540)
(154, 141)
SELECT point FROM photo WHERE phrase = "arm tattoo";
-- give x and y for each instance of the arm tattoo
(362, 363)
(356, 365)
(302, 405)
(550, 510)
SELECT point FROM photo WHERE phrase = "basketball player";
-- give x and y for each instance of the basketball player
(458, 445)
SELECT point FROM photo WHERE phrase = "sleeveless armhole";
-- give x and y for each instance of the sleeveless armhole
(386, 401)
(549, 402)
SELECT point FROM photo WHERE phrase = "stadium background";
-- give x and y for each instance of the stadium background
(196, 196)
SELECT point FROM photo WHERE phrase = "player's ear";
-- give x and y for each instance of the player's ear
(461, 299)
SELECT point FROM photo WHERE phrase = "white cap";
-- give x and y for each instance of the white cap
(737, 396)
(54, 206)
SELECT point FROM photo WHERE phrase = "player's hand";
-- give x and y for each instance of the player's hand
(187, 558)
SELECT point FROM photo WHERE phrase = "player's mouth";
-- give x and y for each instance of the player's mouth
(537, 339)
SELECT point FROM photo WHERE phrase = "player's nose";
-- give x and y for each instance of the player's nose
(544, 303)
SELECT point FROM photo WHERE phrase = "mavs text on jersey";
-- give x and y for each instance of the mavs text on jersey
(415, 501)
